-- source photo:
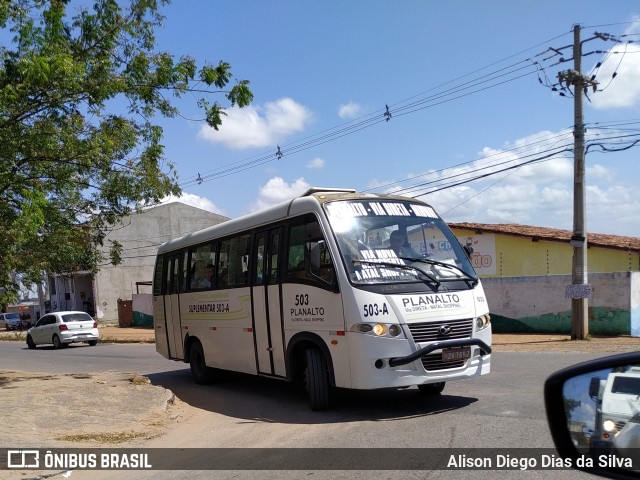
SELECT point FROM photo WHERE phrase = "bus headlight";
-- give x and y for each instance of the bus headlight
(362, 328)
(378, 329)
(609, 425)
(394, 330)
(483, 321)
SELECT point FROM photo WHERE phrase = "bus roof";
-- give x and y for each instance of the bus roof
(307, 202)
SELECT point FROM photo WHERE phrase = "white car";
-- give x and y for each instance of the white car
(63, 328)
(10, 321)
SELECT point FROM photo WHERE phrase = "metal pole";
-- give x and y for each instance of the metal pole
(579, 306)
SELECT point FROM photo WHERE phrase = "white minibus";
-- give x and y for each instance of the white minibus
(334, 289)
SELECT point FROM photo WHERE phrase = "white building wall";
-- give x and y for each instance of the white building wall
(141, 235)
(143, 303)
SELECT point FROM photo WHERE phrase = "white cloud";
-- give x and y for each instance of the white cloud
(195, 201)
(634, 25)
(598, 172)
(277, 190)
(623, 90)
(613, 209)
(349, 110)
(316, 163)
(539, 194)
(259, 126)
(530, 148)
(556, 196)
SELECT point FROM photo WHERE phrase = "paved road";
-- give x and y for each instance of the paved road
(500, 410)
(81, 357)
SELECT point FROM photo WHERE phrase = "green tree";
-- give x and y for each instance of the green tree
(570, 404)
(81, 91)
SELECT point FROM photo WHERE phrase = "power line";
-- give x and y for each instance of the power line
(486, 170)
(522, 148)
(607, 143)
(493, 79)
(488, 174)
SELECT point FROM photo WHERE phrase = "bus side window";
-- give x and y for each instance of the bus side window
(260, 261)
(183, 274)
(321, 263)
(308, 254)
(157, 276)
(202, 269)
(167, 277)
(233, 265)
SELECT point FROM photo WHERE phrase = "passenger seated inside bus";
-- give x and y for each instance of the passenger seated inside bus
(400, 246)
(199, 276)
(210, 274)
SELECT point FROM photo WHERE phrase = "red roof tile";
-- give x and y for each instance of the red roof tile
(552, 234)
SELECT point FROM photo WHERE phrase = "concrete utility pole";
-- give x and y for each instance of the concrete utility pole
(579, 290)
(579, 306)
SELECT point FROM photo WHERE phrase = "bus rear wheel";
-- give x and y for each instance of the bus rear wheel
(317, 380)
(199, 370)
(431, 388)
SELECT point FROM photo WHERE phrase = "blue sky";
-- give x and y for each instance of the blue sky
(463, 92)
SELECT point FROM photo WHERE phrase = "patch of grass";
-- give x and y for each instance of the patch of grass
(139, 380)
(113, 437)
(22, 337)
(126, 340)
(13, 336)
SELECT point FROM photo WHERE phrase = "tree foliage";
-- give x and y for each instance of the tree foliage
(570, 404)
(80, 89)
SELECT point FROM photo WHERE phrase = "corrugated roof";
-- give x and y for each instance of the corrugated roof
(552, 234)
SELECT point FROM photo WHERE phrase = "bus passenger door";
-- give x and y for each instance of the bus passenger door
(159, 320)
(267, 304)
(172, 307)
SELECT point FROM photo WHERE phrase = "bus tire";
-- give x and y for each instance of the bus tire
(317, 380)
(202, 374)
(432, 388)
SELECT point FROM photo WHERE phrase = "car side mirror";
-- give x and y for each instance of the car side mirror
(593, 410)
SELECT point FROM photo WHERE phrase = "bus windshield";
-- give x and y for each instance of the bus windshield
(391, 241)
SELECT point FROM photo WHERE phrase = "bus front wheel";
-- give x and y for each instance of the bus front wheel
(201, 373)
(317, 380)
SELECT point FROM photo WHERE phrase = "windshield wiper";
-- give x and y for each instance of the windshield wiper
(429, 275)
(466, 277)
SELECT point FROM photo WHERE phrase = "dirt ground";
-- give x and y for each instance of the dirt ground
(105, 408)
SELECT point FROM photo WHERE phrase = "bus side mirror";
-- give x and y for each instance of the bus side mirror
(594, 388)
(590, 430)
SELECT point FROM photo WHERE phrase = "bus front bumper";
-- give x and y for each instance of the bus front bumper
(484, 350)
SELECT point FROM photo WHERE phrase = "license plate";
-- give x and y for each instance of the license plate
(455, 354)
